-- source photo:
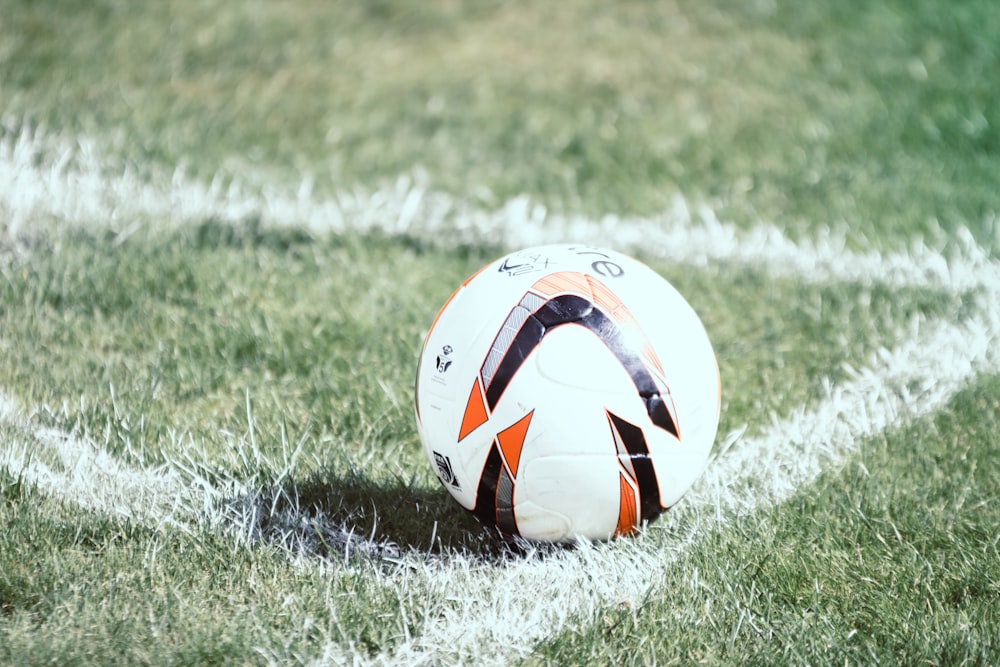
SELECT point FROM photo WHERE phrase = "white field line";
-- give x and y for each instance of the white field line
(474, 612)
(70, 183)
(186, 493)
(509, 609)
(63, 465)
(488, 614)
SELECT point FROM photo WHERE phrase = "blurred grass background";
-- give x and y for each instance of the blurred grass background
(878, 118)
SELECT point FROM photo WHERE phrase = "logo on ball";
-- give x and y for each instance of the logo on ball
(443, 360)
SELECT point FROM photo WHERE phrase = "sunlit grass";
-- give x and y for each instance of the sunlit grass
(889, 560)
(262, 376)
(876, 119)
(174, 331)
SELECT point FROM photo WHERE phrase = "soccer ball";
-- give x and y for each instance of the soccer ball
(566, 391)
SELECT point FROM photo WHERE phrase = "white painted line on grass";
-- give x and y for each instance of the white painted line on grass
(489, 614)
(64, 183)
(503, 612)
(185, 493)
(474, 612)
(64, 465)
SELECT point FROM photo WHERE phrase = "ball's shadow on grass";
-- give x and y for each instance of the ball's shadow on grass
(334, 516)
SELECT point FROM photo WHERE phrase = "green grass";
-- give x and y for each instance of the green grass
(97, 590)
(177, 328)
(880, 119)
(894, 559)
(159, 341)
(275, 366)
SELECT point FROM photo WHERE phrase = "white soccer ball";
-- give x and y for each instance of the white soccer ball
(566, 391)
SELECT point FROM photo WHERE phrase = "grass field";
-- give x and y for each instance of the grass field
(225, 229)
